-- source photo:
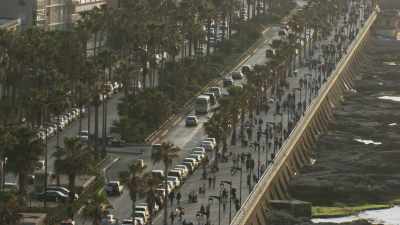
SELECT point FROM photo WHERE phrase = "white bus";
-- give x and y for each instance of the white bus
(202, 104)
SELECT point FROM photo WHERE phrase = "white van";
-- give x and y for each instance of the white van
(202, 104)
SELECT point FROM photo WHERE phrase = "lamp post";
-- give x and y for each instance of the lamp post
(219, 206)
(230, 198)
(308, 100)
(267, 139)
(233, 171)
(281, 124)
(3, 172)
(257, 148)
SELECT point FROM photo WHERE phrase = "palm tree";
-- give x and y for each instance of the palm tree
(9, 210)
(74, 159)
(133, 181)
(167, 153)
(24, 154)
(97, 203)
(150, 184)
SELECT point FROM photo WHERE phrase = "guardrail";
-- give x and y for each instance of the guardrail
(243, 216)
(160, 133)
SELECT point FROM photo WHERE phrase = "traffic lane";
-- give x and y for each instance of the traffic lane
(73, 129)
(180, 134)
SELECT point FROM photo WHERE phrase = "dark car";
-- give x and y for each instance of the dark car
(237, 75)
(191, 121)
(228, 82)
(62, 190)
(53, 196)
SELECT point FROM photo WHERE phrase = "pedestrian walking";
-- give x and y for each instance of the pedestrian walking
(209, 182)
(208, 211)
(172, 217)
(178, 198)
(224, 205)
(237, 204)
(214, 181)
(171, 197)
(181, 213)
(202, 209)
(224, 193)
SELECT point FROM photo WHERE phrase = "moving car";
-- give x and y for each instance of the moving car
(114, 188)
(228, 81)
(191, 121)
(237, 75)
(216, 90)
(213, 99)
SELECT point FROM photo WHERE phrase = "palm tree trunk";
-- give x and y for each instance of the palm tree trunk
(96, 124)
(166, 194)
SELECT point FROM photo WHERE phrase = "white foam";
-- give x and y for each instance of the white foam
(390, 63)
(393, 98)
(367, 142)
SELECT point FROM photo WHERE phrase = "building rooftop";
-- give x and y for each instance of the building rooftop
(32, 218)
(9, 22)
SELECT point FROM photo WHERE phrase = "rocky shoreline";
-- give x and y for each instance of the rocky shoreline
(348, 171)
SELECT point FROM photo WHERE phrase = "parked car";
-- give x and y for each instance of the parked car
(191, 121)
(155, 207)
(158, 173)
(109, 220)
(142, 208)
(142, 215)
(228, 81)
(208, 145)
(237, 75)
(183, 169)
(174, 179)
(114, 188)
(175, 173)
(62, 190)
(67, 222)
(83, 135)
(198, 157)
(213, 140)
(199, 149)
(136, 221)
(189, 165)
(54, 196)
(192, 160)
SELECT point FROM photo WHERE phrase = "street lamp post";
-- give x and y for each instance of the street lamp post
(219, 206)
(230, 198)
(257, 148)
(234, 169)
